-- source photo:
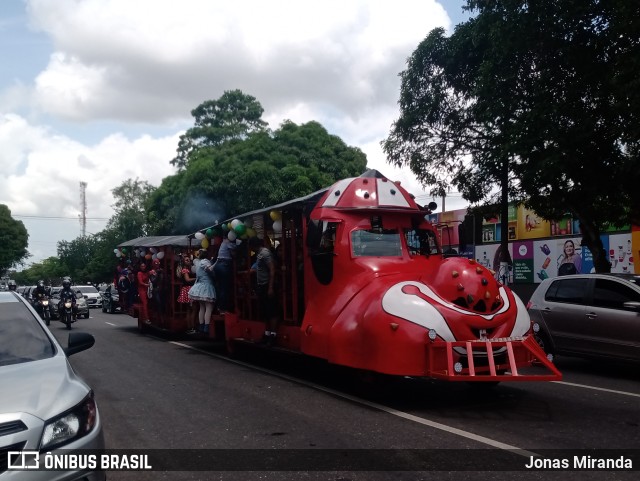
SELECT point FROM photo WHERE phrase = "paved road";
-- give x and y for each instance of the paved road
(160, 393)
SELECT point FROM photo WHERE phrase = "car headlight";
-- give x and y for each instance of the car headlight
(70, 425)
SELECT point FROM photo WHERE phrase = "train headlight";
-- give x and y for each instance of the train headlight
(536, 327)
(550, 357)
(433, 335)
(457, 367)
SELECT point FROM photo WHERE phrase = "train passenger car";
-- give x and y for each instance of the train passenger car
(361, 281)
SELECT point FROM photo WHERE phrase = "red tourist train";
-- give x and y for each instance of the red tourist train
(361, 281)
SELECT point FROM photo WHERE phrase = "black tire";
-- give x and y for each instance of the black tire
(86, 316)
(112, 310)
(104, 309)
(543, 340)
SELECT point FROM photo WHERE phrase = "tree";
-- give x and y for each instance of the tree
(233, 116)
(241, 175)
(14, 240)
(543, 94)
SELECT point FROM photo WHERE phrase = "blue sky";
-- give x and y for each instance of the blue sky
(99, 91)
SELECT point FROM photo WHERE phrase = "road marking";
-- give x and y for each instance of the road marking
(584, 386)
(110, 323)
(426, 422)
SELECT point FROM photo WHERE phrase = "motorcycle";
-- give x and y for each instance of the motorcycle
(43, 310)
(67, 314)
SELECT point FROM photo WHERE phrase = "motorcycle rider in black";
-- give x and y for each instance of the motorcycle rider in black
(67, 293)
(38, 294)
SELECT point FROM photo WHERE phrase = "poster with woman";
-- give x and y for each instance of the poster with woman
(570, 258)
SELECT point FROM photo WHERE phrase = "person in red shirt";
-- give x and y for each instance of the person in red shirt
(143, 286)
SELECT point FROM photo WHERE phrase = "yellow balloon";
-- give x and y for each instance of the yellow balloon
(205, 243)
(275, 215)
(250, 232)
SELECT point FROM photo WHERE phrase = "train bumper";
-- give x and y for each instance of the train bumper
(508, 359)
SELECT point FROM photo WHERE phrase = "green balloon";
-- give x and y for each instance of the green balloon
(209, 233)
(240, 229)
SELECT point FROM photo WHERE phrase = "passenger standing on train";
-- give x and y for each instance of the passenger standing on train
(157, 279)
(203, 290)
(265, 276)
(183, 297)
(224, 274)
(143, 287)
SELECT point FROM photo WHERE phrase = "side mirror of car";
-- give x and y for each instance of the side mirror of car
(632, 306)
(78, 342)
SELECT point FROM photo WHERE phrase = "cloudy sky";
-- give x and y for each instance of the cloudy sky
(99, 91)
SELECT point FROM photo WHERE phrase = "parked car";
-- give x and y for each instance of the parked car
(589, 315)
(81, 304)
(45, 405)
(91, 294)
(110, 299)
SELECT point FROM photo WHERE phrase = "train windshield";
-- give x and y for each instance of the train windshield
(376, 242)
(421, 242)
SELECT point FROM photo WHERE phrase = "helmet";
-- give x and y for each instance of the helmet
(66, 283)
(40, 284)
(12, 285)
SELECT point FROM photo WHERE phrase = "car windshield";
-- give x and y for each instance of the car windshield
(87, 289)
(22, 337)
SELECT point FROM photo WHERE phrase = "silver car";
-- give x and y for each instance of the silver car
(589, 315)
(44, 405)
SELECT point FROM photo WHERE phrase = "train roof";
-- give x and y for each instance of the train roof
(158, 241)
(346, 194)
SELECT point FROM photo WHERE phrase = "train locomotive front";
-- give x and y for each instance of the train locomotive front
(380, 295)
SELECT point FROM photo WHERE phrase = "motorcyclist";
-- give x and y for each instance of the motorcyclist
(38, 294)
(67, 294)
(12, 285)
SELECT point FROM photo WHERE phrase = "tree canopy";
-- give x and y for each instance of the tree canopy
(544, 93)
(14, 240)
(233, 116)
(240, 175)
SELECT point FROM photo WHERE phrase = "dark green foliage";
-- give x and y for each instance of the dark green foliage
(13, 240)
(544, 92)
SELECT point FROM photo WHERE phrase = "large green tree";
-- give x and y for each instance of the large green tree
(14, 240)
(240, 175)
(543, 94)
(233, 116)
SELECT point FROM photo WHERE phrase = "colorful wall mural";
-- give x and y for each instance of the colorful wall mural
(540, 248)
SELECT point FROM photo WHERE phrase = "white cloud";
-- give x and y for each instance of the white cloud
(129, 64)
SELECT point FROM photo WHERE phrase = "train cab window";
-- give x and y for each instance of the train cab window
(421, 242)
(376, 243)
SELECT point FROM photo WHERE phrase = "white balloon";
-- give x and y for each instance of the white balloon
(153, 250)
(118, 254)
(199, 235)
(232, 235)
(160, 255)
(277, 226)
(154, 257)
(235, 223)
(115, 251)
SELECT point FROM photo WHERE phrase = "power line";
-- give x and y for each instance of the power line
(45, 217)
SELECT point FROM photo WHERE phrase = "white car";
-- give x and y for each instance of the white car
(91, 294)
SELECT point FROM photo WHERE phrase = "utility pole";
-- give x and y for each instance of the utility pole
(83, 207)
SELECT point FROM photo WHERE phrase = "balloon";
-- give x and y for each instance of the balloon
(224, 228)
(277, 226)
(240, 229)
(154, 256)
(251, 232)
(118, 254)
(275, 215)
(116, 250)
(124, 250)
(232, 236)
(209, 233)
(199, 235)
(160, 255)
(235, 223)
(153, 250)
(148, 256)
(204, 243)
(229, 226)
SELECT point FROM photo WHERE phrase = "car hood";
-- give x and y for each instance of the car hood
(42, 388)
